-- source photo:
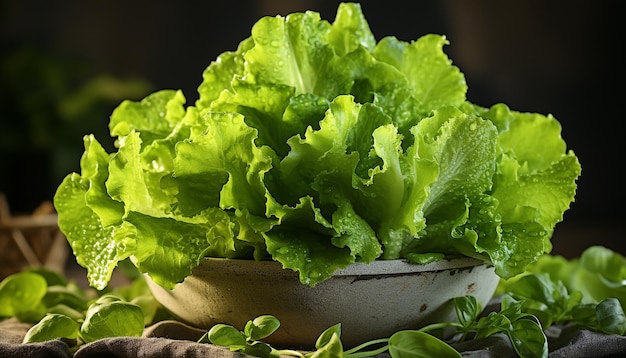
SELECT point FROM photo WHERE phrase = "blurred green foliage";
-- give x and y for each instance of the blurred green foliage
(47, 104)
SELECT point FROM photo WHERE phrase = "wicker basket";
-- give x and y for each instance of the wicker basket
(31, 240)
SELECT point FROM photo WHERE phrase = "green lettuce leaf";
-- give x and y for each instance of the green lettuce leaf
(90, 228)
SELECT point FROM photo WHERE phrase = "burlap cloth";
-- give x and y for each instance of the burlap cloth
(175, 339)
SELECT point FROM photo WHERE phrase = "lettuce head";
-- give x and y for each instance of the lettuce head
(317, 146)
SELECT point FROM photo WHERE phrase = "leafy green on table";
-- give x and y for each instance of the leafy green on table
(589, 291)
(30, 294)
(601, 273)
(61, 309)
(415, 343)
(138, 293)
(53, 326)
(523, 329)
(549, 300)
(552, 303)
(598, 273)
(247, 341)
(109, 316)
(609, 317)
(21, 295)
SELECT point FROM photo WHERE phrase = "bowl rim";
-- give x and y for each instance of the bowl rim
(374, 268)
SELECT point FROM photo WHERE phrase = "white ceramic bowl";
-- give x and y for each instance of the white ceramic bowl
(370, 301)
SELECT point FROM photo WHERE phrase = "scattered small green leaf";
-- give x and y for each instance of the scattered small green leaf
(112, 318)
(610, 317)
(225, 335)
(21, 295)
(261, 327)
(418, 344)
(52, 326)
(248, 340)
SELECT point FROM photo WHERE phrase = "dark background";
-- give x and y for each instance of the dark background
(557, 57)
